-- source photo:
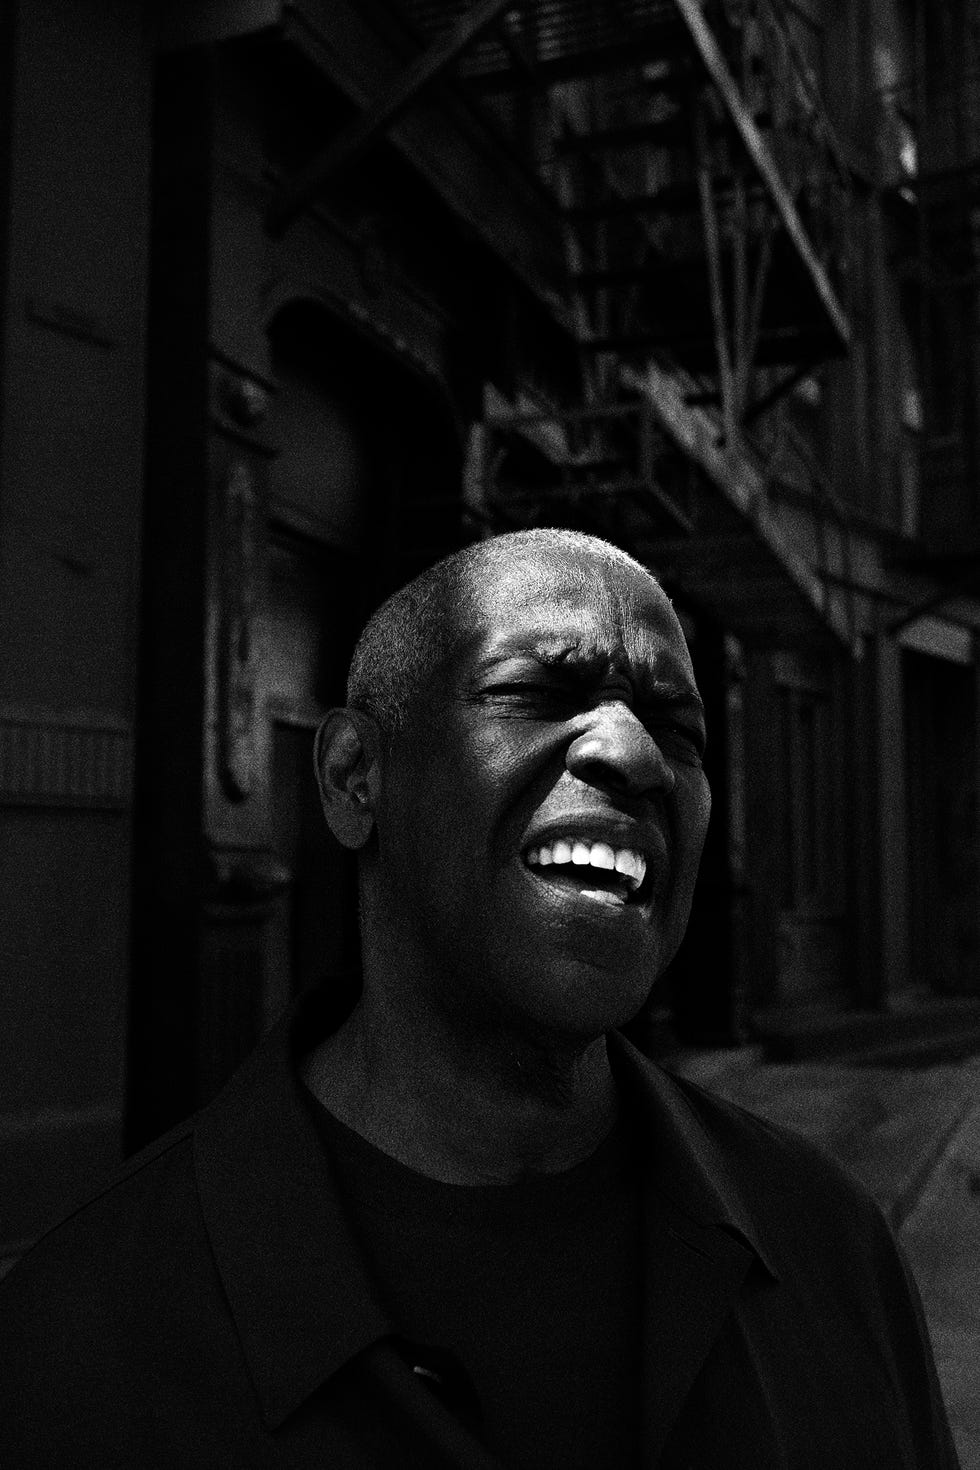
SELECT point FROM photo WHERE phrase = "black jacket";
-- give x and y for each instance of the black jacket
(210, 1309)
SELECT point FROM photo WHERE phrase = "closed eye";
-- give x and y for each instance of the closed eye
(522, 688)
(531, 693)
(687, 744)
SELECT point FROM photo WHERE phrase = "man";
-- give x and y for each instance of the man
(467, 1224)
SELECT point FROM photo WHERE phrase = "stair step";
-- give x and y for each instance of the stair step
(681, 197)
(603, 140)
(670, 130)
(673, 198)
(577, 65)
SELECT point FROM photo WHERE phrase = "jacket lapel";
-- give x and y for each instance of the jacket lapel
(699, 1241)
(294, 1278)
(691, 1279)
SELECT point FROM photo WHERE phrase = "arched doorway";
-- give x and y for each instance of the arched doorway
(360, 442)
(268, 542)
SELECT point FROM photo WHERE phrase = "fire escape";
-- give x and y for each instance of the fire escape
(949, 272)
(703, 204)
(940, 113)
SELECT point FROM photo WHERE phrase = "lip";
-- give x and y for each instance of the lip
(618, 831)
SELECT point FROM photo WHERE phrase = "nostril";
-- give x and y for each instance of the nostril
(596, 772)
(621, 760)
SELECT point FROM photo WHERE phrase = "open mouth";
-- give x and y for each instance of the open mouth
(596, 870)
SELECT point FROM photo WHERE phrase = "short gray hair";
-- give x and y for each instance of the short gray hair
(416, 629)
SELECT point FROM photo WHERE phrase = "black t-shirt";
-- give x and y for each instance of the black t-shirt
(533, 1287)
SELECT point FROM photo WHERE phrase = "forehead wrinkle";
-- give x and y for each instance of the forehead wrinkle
(556, 649)
(594, 656)
(587, 612)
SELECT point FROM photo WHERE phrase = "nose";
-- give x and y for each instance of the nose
(617, 753)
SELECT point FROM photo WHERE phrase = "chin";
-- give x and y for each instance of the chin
(576, 998)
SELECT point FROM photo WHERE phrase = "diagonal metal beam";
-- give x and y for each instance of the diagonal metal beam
(784, 385)
(712, 235)
(962, 585)
(754, 322)
(384, 111)
(717, 68)
(741, 483)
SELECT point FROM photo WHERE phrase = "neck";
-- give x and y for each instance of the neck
(464, 1109)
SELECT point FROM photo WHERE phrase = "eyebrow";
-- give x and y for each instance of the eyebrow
(547, 648)
(567, 653)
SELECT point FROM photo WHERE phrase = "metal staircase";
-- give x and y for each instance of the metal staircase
(702, 201)
(700, 184)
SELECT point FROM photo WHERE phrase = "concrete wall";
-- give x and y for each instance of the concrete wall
(71, 441)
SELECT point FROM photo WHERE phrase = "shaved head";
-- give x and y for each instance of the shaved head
(415, 630)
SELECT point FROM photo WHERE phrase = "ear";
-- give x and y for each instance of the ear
(346, 752)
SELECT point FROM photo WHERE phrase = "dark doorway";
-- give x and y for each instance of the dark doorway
(307, 635)
(942, 805)
(811, 929)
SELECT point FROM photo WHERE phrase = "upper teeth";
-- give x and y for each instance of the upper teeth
(632, 865)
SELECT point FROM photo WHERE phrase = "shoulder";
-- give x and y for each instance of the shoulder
(88, 1266)
(117, 1196)
(824, 1233)
(842, 1302)
(799, 1207)
(772, 1157)
(148, 1213)
(771, 1153)
(95, 1317)
(115, 1258)
(807, 1205)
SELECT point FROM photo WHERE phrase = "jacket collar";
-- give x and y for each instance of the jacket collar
(297, 1285)
(690, 1170)
(700, 1242)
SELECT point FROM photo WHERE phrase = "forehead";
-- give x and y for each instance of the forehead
(579, 602)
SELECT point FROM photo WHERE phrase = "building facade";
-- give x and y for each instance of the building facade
(299, 296)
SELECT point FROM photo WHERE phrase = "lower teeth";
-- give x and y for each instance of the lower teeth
(591, 884)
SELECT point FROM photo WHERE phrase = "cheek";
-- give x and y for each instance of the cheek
(693, 814)
(432, 833)
(499, 780)
(703, 805)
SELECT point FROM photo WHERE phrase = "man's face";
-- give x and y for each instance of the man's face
(542, 813)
